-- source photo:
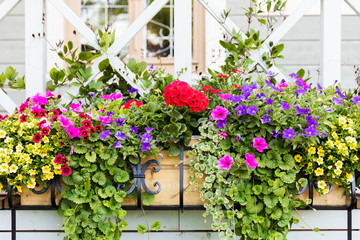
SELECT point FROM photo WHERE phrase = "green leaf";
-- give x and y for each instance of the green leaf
(85, 56)
(287, 162)
(270, 200)
(262, 21)
(303, 182)
(147, 198)
(104, 64)
(99, 178)
(155, 226)
(142, 229)
(225, 144)
(80, 149)
(301, 73)
(69, 212)
(174, 150)
(91, 156)
(121, 177)
(175, 114)
(132, 64)
(257, 189)
(143, 66)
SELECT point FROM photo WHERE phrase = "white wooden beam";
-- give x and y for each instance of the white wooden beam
(128, 75)
(6, 7)
(230, 27)
(183, 39)
(136, 26)
(7, 102)
(330, 66)
(76, 21)
(35, 47)
(355, 5)
(290, 21)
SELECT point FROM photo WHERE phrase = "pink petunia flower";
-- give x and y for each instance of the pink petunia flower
(283, 85)
(219, 113)
(223, 135)
(250, 161)
(39, 99)
(64, 121)
(106, 97)
(105, 120)
(63, 110)
(115, 96)
(223, 96)
(65, 171)
(225, 162)
(76, 107)
(73, 131)
(48, 93)
(260, 144)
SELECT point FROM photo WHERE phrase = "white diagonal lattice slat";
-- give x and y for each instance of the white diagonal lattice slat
(230, 27)
(355, 5)
(290, 21)
(76, 21)
(7, 102)
(136, 26)
(6, 7)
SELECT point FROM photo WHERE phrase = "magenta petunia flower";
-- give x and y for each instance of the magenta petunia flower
(64, 121)
(223, 135)
(106, 97)
(260, 144)
(105, 120)
(76, 107)
(219, 113)
(115, 96)
(73, 131)
(48, 93)
(223, 96)
(225, 162)
(39, 99)
(250, 161)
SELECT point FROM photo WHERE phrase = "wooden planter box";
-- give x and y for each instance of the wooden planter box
(28, 198)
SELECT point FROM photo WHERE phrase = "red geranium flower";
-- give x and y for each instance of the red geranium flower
(87, 123)
(37, 137)
(82, 115)
(35, 113)
(98, 128)
(82, 128)
(56, 113)
(45, 131)
(23, 118)
(65, 171)
(222, 76)
(129, 103)
(23, 107)
(58, 159)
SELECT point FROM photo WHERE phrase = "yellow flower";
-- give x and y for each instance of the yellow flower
(1, 187)
(13, 168)
(28, 160)
(30, 125)
(20, 177)
(19, 189)
(325, 191)
(334, 135)
(50, 175)
(46, 169)
(36, 151)
(342, 146)
(330, 157)
(32, 172)
(57, 171)
(349, 139)
(38, 145)
(57, 166)
(8, 139)
(320, 161)
(356, 158)
(337, 143)
(7, 159)
(8, 151)
(338, 171)
(4, 167)
(351, 131)
(342, 120)
(352, 146)
(321, 153)
(12, 129)
(45, 139)
(330, 167)
(2, 134)
(31, 184)
(43, 153)
(330, 143)
(339, 164)
(319, 172)
(298, 158)
(321, 184)
(349, 177)
(312, 150)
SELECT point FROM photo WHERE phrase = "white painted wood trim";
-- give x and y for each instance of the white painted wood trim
(6, 7)
(330, 66)
(354, 4)
(136, 26)
(76, 21)
(230, 26)
(7, 102)
(125, 72)
(183, 39)
(290, 21)
(35, 47)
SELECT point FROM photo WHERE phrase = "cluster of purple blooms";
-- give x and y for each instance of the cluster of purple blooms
(145, 140)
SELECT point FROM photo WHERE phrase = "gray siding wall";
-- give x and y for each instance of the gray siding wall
(302, 43)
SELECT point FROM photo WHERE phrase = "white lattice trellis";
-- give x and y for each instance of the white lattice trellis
(35, 57)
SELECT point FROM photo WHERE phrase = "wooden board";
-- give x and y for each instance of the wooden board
(28, 198)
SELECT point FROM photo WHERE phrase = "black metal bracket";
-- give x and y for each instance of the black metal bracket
(139, 179)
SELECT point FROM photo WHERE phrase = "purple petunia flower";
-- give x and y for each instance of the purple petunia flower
(269, 101)
(285, 106)
(120, 136)
(293, 76)
(132, 90)
(146, 138)
(265, 119)
(238, 138)
(221, 123)
(120, 121)
(259, 96)
(300, 92)
(337, 101)
(134, 129)
(151, 68)
(340, 94)
(236, 99)
(118, 144)
(241, 110)
(310, 131)
(289, 133)
(311, 121)
(270, 74)
(109, 114)
(105, 134)
(145, 147)
(148, 130)
(275, 133)
(252, 110)
(355, 100)
(304, 111)
(329, 110)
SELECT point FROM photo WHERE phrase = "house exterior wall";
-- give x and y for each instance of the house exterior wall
(302, 42)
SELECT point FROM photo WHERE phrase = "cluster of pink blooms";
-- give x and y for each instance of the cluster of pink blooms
(65, 169)
(258, 143)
